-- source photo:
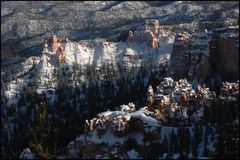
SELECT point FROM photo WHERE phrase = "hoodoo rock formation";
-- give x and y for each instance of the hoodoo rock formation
(26, 25)
(116, 133)
(152, 33)
(176, 62)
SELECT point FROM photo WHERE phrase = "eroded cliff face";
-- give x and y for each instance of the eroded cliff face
(203, 54)
(180, 57)
(190, 56)
(225, 52)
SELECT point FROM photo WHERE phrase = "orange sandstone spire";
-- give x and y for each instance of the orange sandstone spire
(55, 44)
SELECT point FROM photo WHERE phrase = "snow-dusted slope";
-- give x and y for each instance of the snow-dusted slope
(42, 75)
(127, 131)
(26, 25)
(126, 54)
(45, 75)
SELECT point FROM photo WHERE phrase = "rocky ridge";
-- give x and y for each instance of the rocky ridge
(26, 25)
(202, 54)
(115, 134)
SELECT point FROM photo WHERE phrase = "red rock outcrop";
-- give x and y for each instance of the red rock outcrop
(55, 44)
(151, 34)
(119, 134)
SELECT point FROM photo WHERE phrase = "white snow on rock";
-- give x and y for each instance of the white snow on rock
(84, 54)
(128, 108)
(77, 53)
(132, 154)
(120, 126)
(166, 45)
(27, 154)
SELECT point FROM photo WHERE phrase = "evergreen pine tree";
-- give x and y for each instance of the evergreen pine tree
(205, 152)
(187, 141)
(38, 143)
